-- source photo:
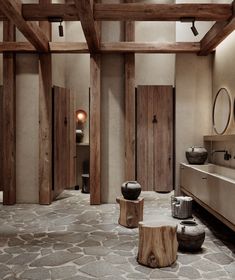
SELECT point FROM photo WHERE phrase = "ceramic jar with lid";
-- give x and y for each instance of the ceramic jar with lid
(131, 190)
(190, 235)
(196, 155)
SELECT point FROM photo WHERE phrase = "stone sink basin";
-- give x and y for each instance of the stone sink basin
(217, 170)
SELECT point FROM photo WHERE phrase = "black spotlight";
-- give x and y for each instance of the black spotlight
(61, 30)
(194, 29)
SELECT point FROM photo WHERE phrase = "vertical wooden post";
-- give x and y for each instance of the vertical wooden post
(95, 96)
(130, 165)
(45, 120)
(9, 120)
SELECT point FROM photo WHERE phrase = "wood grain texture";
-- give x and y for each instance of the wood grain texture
(155, 139)
(163, 138)
(131, 212)
(135, 47)
(9, 120)
(162, 12)
(61, 140)
(45, 120)
(1, 138)
(157, 245)
(95, 127)
(90, 29)
(130, 166)
(218, 32)
(12, 9)
(111, 47)
(72, 140)
(136, 11)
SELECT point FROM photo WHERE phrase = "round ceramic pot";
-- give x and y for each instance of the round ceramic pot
(131, 190)
(79, 135)
(190, 236)
(196, 155)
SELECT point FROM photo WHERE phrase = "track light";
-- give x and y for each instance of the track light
(60, 20)
(190, 19)
(194, 29)
(61, 30)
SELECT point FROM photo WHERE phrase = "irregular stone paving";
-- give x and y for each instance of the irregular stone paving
(72, 240)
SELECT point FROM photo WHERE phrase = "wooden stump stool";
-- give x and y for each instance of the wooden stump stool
(131, 212)
(157, 244)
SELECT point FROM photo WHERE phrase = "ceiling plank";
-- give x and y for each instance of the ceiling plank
(162, 12)
(90, 29)
(218, 32)
(32, 32)
(128, 47)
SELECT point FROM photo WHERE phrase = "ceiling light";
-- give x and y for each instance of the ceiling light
(60, 20)
(194, 29)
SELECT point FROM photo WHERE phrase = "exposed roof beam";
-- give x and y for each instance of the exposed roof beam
(91, 32)
(127, 47)
(32, 32)
(115, 47)
(162, 12)
(218, 32)
(134, 11)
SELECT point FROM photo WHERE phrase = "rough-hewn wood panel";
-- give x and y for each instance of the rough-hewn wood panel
(45, 119)
(162, 12)
(8, 120)
(163, 138)
(95, 126)
(1, 136)
(12, 9)
(91, 32)
(155, 137)
(130, 166)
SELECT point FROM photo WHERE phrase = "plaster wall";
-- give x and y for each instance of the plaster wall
(155, 69)
(112, 115)
(193, 103)
(223, 76)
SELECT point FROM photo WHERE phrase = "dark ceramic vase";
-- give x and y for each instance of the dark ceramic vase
(131, 190)
(196, 155)
(190, 236)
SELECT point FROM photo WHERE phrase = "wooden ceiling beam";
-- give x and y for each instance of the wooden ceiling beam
(134, 11)
(218, 32)
(162, 12)
(133, 47)
(31, 31)
(114, 47)
(89, 26)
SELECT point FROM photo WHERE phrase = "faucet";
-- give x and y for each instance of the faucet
(227, 156)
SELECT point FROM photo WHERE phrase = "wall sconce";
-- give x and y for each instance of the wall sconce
(193, 27)
(60, 20)
(81, 116)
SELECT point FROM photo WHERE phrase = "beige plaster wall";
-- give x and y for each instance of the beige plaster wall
(155, 69)
(193, 103)
(223, 76)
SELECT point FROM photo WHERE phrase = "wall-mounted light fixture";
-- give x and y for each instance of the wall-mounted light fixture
(60, 20)
(193, 27)
(81, 116)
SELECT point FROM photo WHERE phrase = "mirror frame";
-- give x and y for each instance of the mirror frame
(230, 110)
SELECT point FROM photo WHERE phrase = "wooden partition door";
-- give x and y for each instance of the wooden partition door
(64, 140)
(155, 138)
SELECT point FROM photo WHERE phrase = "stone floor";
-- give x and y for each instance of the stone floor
(75, 241)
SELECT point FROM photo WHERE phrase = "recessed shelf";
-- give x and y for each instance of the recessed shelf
(225, 137)
(82, 144)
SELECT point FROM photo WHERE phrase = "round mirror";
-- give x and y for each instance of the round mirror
(221, 111)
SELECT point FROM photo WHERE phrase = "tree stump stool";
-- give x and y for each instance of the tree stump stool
(157, 244)
(131, 212)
